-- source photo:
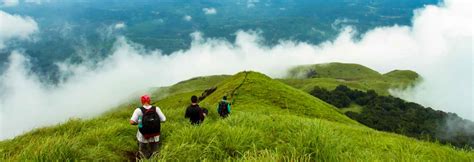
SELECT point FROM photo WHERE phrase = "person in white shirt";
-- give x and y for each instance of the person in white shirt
(148, 135)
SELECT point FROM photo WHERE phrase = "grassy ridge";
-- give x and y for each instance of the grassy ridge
(258, 93)
(402, 74)
(270, 121)
(334, 70)
(355, 76)
(193, 84)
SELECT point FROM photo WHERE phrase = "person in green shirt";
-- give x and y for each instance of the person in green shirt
(223, 108)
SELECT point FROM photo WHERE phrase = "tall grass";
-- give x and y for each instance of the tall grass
(269, 122)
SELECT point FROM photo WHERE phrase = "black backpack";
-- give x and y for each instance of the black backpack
(151, 123)
(223, 111)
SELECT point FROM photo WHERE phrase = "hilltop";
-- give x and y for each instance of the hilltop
(270, 121)
(356, 76)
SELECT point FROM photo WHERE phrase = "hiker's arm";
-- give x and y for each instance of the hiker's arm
(201, 115)
(162, 116)
(134, 118)
(186, 115)
(228, 108)
(133, 122)
(203, 112)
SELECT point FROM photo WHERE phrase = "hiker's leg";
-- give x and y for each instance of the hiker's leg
(143, 149)
(139, 153)
(153, 147)
(149, 150)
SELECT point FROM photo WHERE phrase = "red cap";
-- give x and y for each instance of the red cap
(145, 99)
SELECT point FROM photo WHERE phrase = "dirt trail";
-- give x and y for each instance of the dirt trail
(236, 88)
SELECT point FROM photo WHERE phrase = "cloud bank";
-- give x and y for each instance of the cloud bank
(438, 46)
(15, 27)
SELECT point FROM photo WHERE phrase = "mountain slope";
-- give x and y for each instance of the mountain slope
(270, 121)
(258, 93)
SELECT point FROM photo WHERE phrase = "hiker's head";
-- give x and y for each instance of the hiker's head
(194, 99)
(224, 98)
(145, 99)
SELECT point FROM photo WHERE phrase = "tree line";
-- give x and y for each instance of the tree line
(392, 114)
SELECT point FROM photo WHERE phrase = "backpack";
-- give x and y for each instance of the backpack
(223, 111)
(151, 123)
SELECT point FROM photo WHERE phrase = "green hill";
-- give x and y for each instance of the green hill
(402, 74)
(334, 70)
(355, 76)
(270, 121)
(402, 77)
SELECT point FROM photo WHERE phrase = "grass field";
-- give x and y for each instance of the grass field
(270, 121)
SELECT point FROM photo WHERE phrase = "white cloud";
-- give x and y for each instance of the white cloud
(252, 3)
(10, 3)
(438, 46)
(338, 23)
(187, 18)
(160, 21)
(209, 11)
(120, 25)
(38, 2)
(15, 27)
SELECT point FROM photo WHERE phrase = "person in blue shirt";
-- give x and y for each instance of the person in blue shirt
(223, 108)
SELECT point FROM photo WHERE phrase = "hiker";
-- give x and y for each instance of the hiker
(195, 113)
(223, 108)
(148, 118)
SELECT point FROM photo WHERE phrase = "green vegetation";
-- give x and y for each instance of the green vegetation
(402, 78)
(270, 121)
(330, 75)
(334, 70)
(402, 74)
(252, 92)
(392, 114)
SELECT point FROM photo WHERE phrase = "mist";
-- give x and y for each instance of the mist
(15, 27)
(438, 46)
